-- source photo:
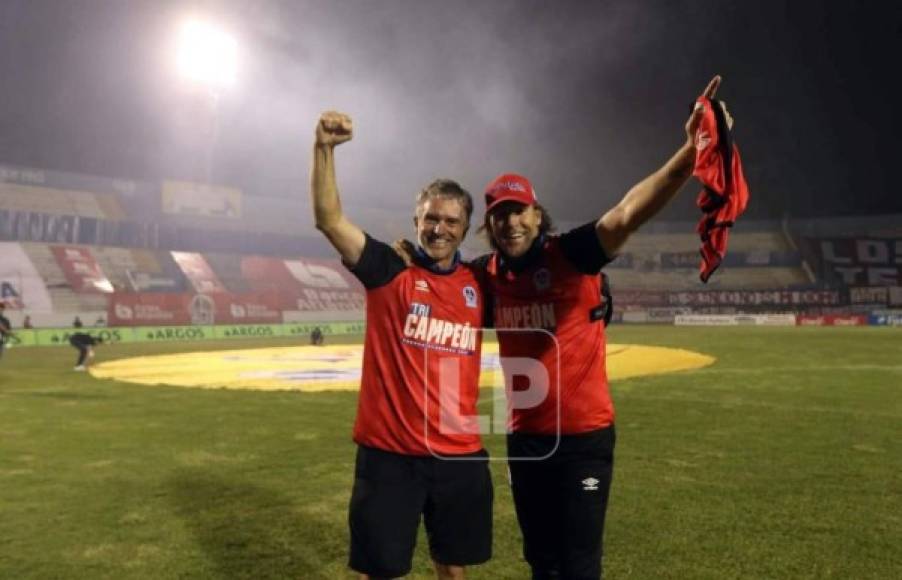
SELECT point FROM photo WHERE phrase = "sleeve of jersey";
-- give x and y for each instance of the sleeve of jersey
(378, 264)
(581, 246)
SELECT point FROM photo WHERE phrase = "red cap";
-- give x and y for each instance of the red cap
(509, 187)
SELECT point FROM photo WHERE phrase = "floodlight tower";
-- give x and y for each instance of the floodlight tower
(207, 56)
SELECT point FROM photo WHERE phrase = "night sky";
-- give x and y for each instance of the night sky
(585, 98)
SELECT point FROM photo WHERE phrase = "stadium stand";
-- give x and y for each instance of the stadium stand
(62, 295)
(122, 226)
(59, 202)
(758, 278)
(227, 268)
(649, 269)
(118, 262)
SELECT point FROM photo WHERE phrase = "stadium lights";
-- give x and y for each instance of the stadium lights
(207, 55)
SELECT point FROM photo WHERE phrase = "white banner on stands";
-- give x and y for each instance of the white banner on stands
(775, 319)
(21, 286)
(735, 320)
(895, 296)
(652, 315)
(635, 316)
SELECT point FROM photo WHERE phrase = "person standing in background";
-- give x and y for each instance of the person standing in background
(85, 344)
(6, 329)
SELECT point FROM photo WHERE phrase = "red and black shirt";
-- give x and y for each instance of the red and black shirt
(421, 357)
(547, 307)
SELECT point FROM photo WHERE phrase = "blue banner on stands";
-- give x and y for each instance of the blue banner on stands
(885, 320)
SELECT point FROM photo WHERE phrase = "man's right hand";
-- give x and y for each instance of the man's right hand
(333, 129)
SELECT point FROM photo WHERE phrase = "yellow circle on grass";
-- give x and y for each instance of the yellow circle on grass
(337, 367)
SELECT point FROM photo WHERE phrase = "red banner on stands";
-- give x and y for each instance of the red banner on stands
(198, 272)
(832, 320)
(149, 309)
(305, 284)
(251, 308)
(168, 308)
(81, 269)
(278, 285)
(266, 274)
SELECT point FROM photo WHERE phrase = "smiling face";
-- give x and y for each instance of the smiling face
(441, 224)
(514, 227)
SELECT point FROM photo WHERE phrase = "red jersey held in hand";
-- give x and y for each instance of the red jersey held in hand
(725, 194)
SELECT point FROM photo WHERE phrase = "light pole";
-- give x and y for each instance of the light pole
(207, 56)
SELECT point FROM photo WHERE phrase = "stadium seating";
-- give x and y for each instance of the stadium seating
(116, 263)
(63, 297)
(741, 241)
(647, 272)
(228, 269)
(661, 257)
(59, 202)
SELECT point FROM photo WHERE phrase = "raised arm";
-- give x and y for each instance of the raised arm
(649, 196)
(333, 129)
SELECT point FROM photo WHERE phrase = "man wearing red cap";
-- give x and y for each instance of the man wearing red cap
(419, 452)
(547, 289)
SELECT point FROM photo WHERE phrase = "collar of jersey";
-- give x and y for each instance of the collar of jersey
(422, 259)
(517, 265)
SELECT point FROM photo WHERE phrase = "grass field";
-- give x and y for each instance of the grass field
(782, 460)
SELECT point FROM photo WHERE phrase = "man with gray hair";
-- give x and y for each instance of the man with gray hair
(419, 450)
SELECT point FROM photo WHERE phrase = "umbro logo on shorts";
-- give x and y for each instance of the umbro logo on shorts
(590, 484)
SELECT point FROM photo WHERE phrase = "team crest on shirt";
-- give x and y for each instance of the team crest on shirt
(470, 297)
(542, 279)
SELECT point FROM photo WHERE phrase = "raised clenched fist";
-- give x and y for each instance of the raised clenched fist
(334, 128)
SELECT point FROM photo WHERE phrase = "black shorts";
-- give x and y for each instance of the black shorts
(561, 501)
(392, 491)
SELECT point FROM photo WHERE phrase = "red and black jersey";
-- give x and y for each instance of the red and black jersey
(555, 290)
(421, 358)
(725, 194)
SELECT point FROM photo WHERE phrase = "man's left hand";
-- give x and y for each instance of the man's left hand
(695, 119)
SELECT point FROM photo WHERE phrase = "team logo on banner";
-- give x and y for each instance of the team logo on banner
(202, 309)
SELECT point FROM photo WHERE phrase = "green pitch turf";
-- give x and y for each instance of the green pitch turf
(783, 460)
